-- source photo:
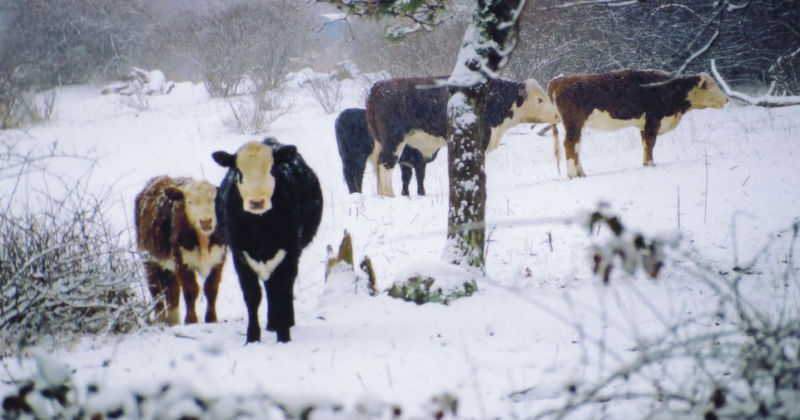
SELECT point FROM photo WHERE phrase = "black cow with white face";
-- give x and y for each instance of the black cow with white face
(268, 207)
(413, 112)
(355, 146)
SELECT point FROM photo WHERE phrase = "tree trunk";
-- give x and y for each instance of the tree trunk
(467, 210)
(488, 42)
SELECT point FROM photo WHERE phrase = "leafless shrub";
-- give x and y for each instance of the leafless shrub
(51, 45)
(65, 271)
(327, 92)
(20, 109)
(253, 114)
(19, 159)
(239, 41)
(746, 365)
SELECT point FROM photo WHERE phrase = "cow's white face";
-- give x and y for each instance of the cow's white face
(254, 178)
(707, 94)
(198, 201)
(537, 107)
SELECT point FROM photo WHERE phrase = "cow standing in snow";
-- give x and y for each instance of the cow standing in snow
(413, 111)
(650, 100)
(355, 146)
(176, 227)
(269, 207)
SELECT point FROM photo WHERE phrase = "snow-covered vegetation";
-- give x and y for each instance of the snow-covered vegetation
(664, 292)
(542, 332)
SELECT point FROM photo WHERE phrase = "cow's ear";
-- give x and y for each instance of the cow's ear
(285, 153)
(173, 193)
(704, 84)
(224, 159)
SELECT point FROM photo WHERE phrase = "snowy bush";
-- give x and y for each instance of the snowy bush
(139, 84)
(253, 114)
(237, 43)
(327, 91)
(747, 366)
(435, 282)
(26, 108)
(65, 273)
(64, 270)
(52, 393)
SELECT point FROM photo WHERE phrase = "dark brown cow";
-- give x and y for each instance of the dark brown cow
(413, 111)
(176, 226)
(652, 101)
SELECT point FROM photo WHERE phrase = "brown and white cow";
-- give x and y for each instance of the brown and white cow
(651, 100)
(176, 227)
(413, 111)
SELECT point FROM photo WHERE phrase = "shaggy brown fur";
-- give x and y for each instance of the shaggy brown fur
(650, 100)
(176, 246)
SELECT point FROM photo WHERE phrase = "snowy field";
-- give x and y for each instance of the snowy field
(726, 180)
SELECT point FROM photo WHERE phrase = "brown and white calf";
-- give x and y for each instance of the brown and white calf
(651, 100)
(413, 111)
(176, 228)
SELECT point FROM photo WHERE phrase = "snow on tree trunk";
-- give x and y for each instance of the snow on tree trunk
(467, 210)
(488, 42)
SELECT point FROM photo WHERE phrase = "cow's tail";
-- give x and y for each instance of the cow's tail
(556, 149)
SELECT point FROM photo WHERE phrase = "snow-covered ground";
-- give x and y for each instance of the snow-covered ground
(727, 180)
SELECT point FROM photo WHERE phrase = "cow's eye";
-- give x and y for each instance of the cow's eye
(541, 100)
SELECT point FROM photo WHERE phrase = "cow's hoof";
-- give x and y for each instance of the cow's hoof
(253, 336)
(284, 336)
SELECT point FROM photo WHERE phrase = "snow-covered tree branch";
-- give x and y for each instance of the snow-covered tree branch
(766, 100)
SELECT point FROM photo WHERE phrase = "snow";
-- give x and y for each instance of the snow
(726, 180)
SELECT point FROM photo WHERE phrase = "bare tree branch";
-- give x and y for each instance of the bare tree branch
(767, 100)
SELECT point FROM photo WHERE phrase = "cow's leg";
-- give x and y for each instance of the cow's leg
(251, 290)
(572, 138)
(353, 168)
(188, 281)
(358, 172)
(419, 170)
(387, 159)
(405, 172)
(173, 296)
(155, 283)
(210, 289)
(649, 134)
(280, 298)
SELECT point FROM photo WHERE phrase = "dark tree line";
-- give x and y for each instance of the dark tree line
(756, 41)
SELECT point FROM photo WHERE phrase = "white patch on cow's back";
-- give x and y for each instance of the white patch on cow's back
(265, 269)
(602, 120)
(424, 142)
(200, 260)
